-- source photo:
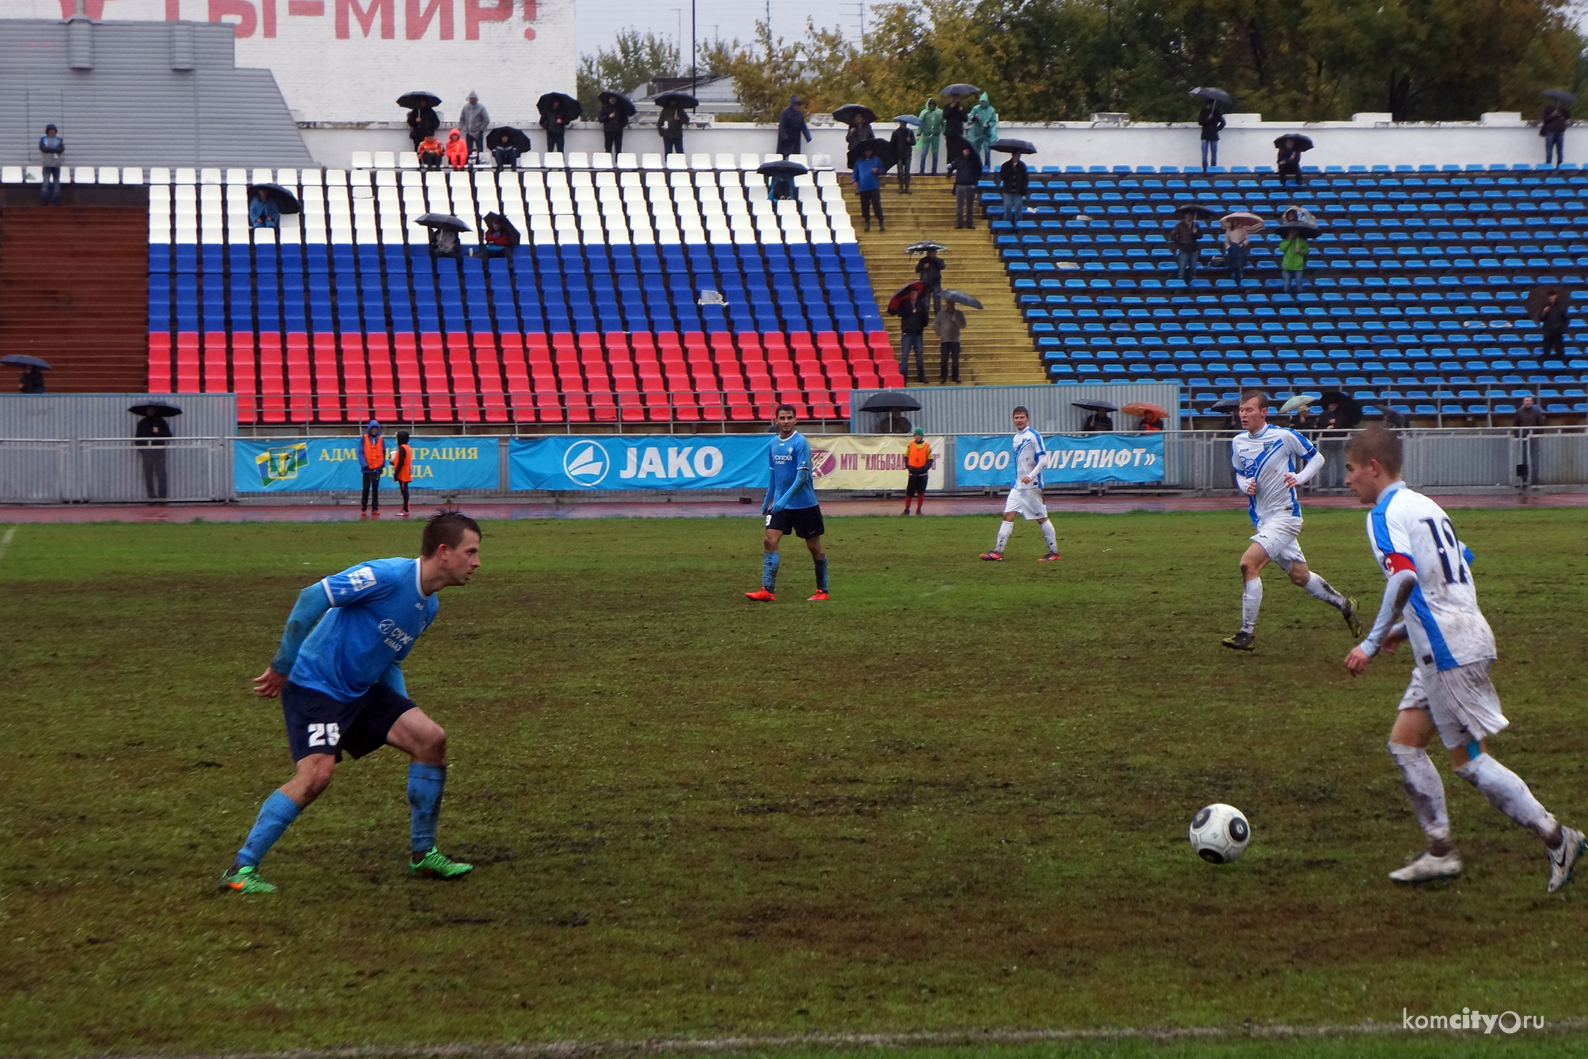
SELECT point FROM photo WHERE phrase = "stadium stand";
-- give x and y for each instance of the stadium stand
(600, 316)
(1413, 299)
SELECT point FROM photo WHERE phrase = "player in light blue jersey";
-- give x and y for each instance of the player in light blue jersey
(1271, 463)
(339, 675)
(790, 505)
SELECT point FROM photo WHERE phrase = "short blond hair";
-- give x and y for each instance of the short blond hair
(1376, 443)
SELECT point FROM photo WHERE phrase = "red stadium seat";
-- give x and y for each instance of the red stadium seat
(409, 381)
(159, 362)
(243, 376)
(216, 377)
(272, 390)
(300, 387)
(489, 364)
(187, 362)
(354, 377)
(383, 395)
(438, 392)
(327, 379)
(520, 394)
(461, 366)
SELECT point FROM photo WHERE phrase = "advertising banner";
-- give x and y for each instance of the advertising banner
(306, 465)
(575, 464)
(983, 460)
(869, 462)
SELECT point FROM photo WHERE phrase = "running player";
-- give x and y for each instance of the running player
(340, 678)
(790, 505)
(1270, 463)
(1025, 496)
(1430, 583)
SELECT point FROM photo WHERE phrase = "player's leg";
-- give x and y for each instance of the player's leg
(1408, 747)
(769, 564)
(1052, 539)
(1012, 507)
(819, 561)
(1318, 588)
(425, 742)
(1252, 563)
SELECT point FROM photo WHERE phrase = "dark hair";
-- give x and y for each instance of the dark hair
(791, 410)
(1020, 410)
(447, 526)
(1262, 396)
(1376, 443)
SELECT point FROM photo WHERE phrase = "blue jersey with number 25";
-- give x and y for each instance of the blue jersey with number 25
(377, 612)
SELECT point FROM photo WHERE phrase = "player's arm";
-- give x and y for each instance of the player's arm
(802, 478)
(311, 606)
(1397, 590)
(393, 678)
(1310, 469)
(1243, 483)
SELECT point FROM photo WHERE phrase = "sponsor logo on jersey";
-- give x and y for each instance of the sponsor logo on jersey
(395, 636)
(361, 579)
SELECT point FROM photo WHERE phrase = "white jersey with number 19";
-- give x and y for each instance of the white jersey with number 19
(1408, 531)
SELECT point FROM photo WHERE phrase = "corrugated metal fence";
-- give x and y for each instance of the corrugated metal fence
(985, 409)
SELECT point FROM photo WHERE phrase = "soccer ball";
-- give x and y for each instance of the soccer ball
(1219, 833)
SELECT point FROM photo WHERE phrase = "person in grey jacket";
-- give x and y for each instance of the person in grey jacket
(51, 147)
(474, 121)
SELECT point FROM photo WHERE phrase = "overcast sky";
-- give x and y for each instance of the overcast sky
(598, 21)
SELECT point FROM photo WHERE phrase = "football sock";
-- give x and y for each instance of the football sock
(1004, 529)
(821, 574)
(1049, 536)
(1425, 789)
(275, 816)
(1507, 793)
(1251, 600)
(425, 783)
(769, 571)
(1317, 586)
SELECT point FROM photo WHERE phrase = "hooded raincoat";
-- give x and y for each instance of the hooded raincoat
(790, 126)
(982, 129)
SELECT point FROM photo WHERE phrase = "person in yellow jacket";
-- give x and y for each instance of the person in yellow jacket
(918, 461)
(402, 466)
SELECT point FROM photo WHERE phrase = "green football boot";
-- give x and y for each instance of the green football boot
(246, 880)
(1353, 620)
(437, 865)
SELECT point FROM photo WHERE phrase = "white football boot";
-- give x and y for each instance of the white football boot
(1426, 867)
(1564, 859)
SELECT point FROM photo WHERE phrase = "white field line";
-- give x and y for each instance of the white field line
(680, 1046)
(5, 542)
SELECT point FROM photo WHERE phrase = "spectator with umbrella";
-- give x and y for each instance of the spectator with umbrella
(966, 168)
(1151, 415)
(423, 122)
(947, 324)
(790, 127)
(931, 137)
(1183, 237)
(867, 176)
(1291, 145)
(1014, 178)
(1099, 422)
(929, 269)
(955, 115)
(1211, 121)
(474, 120)
(903, 141)
(498, 239)
(1552, 123)
(506, 144)
(913, 316)
(672, 120)
(557, 112)
(33, 370)
(614, 118)
(262, 212)
(859, 119)
(444, 229)
(780, 174)
(150, 437)
(1238, 229)
(1295, 247)
(982, 129)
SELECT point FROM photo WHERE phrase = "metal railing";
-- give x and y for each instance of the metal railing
(114, 470)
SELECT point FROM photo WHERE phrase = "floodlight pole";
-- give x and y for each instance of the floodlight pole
(694, 49)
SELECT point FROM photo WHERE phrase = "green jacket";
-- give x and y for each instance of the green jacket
(931, 121)
(671, 121)
(1295, 250)
(981, 128)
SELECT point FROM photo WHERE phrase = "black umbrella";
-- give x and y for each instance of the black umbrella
(1559, 96)
(1393, 418)
(285, 200)
(508, 136)
(961, 90)
(782, 167)
(1350, 410)
(1539, 295)
(908, 119)
(619, 98)
(923, 246)
(1306, 231)
(1229, 404)
(1095, 406)
(891, 402)
(155, 408)
(959, 297)
(1009, 145)
(850, 113)
(1217, 95)
(676, 99)
(505, 223)
(1302, 143)
(442, 220)
(1201, 213)
(22, 360)
(570, 105)
(418, 100)
(881, 148)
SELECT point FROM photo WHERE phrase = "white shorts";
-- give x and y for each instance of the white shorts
(1278, 538)
(1026, 500)
(1462, 702)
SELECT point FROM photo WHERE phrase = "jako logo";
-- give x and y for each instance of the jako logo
(672, 463)
(586, 463)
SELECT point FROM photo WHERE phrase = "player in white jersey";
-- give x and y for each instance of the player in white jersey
(1270, 463)
(1430, 583)
(1025, 497)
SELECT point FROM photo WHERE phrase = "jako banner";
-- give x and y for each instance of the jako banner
(285, 465)
(983, 460)
(721, 461)
(851, 461)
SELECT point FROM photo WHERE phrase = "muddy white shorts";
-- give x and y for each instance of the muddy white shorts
(1462, 702)
(1026, 500)
(1278, 538)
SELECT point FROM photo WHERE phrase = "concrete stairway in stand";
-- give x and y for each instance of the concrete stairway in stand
(996, 346)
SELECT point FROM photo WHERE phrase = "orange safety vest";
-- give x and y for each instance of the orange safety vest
(402, 463)
(374, 454)
(919, 457)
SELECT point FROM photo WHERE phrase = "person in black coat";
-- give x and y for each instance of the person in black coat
(903, 141)
(150, 439)
(1099, 422)
(614, 119)
(1553, 321)
(790, 127)
(913, 318)
(1014, 177)
(954, 117)
(422, 123)
(966, 170)
(1211, 121)
(32, 381)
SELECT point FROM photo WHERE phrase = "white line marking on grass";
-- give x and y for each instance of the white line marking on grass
(5, 542)
(660, 1046)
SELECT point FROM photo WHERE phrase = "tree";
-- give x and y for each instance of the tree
(633, 61)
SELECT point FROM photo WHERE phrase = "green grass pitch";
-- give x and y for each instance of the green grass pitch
(954, 798)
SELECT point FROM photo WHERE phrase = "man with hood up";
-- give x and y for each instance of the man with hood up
(457, 150)
(474, 121)
(790, 127)
(982, 129)
(371, 462)
(931, 133)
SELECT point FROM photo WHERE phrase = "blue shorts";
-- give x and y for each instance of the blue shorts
(319, 724)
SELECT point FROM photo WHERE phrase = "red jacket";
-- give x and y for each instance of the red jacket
(457, 149)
